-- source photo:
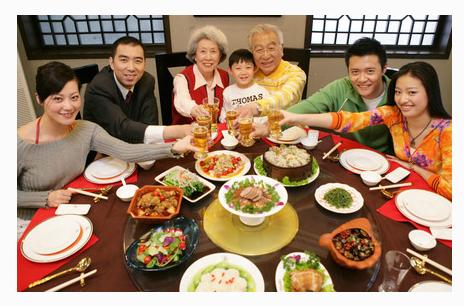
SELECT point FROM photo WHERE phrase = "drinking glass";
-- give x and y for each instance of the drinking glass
(395, 266)
(212, 105)
(245, 127)
(205, 120)
(273, 117)
(231, 116)
(200, 140)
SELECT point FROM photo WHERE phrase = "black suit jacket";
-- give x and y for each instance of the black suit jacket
(105, 105)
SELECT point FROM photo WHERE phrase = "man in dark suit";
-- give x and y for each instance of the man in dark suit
(121, 98)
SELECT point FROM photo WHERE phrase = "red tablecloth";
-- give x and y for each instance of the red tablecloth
(81, 182)
(29, 271)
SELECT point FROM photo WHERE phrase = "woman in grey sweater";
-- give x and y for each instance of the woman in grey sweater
(52, 149)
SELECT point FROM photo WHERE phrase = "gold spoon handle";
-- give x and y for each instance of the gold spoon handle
(46, 279)
(439, 276)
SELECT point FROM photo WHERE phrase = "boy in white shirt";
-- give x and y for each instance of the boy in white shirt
(245, 90)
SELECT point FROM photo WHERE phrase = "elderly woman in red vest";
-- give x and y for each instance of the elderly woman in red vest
(206, 49)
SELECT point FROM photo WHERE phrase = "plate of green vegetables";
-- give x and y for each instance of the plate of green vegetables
(339, 198)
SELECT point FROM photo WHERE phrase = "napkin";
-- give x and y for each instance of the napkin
(270, 143)
(81, 182)
(29, 271)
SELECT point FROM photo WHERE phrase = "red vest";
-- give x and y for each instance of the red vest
(199, 94)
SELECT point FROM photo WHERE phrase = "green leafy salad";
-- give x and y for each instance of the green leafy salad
(300, 263)
(261, 171)
(186, 180)
(338, 197)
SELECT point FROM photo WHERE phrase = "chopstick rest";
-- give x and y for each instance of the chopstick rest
(72, 281)
(91, 194)
(391, 186)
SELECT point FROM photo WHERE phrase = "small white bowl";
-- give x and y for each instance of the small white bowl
(421, 240)
(308, 144)
(229, 143)
(126, 192)
(370, 178)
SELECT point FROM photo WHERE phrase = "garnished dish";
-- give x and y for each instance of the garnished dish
(302, 272)
(253, 198)
(222, 272)
(152, 203)
(164, 247)
(287, 161)
(222, 165)
(353, 244)
(339, 198)
(193, 186)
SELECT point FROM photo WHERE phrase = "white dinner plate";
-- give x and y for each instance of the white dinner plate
(280, 272)
(431, 286)
(304, 182)
(290, 136)
(357, 204)
(243, 171)
(86, 229)
(97, 172)
(426, 205)
(53, 235)
(216, 258)
(211, 186)
(363, 158)
(400, 204)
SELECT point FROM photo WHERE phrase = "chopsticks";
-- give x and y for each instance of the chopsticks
(95, 195)
(331, 150)
(72, 281)
(391, 186)
(431, 262)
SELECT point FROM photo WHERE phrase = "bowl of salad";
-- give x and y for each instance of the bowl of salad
(163, 247)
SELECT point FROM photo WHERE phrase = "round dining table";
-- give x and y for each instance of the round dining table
(116, 230)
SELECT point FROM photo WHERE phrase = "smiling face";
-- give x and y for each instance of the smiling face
(207, 57)
(365, 73)
(243, 73)
(411, 97)
(128, 64)
(267, 51)
(63, 107)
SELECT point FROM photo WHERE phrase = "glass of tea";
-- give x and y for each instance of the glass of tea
(200, 140)
(245, 128)
(212, 105)
(273, 117)
(231, 116)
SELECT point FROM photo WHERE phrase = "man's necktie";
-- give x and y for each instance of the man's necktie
(129, 97)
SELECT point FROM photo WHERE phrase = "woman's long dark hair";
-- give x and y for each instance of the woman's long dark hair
(429, 78)
(51, 78)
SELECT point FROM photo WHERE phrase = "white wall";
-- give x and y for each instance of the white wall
(322, 70)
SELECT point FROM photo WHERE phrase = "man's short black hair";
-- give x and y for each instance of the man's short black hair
(126, 40)
(366, 46)
(241, 55)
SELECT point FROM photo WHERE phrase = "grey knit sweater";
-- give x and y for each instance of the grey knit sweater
(50, 166)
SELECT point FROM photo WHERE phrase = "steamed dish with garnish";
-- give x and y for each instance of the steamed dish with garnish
(288, 162)
(339, 198)
(303, 273)
(252, 196)
(354, 244)
(162, 248)
(222, 277)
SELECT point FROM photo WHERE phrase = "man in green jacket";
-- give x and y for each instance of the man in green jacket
(365, 88)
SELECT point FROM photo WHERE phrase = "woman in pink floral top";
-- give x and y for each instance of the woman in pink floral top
(419, 124)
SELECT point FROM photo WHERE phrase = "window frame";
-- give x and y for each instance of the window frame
(36, 50)
(441, 48)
